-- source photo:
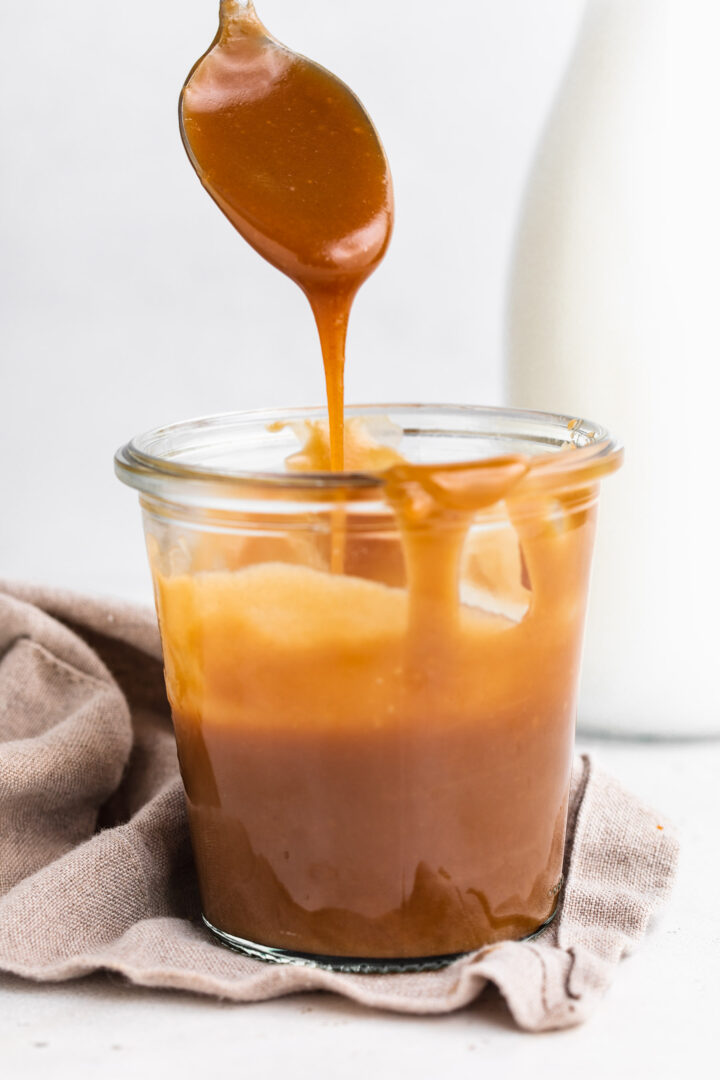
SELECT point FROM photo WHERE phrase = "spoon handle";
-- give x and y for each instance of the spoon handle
(230, 8)
(237, 13)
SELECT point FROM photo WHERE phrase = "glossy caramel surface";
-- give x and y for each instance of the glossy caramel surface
(289, 154)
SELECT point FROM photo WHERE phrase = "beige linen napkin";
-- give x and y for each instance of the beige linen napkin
(95, 862)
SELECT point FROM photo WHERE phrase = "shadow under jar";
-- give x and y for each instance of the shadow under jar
(373, 676)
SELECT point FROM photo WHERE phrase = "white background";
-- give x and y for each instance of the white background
(126, 298)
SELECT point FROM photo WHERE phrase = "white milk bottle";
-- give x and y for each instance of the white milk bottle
(612, 317)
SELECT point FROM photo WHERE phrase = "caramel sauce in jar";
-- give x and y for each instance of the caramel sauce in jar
(374, 711)
(377, 761)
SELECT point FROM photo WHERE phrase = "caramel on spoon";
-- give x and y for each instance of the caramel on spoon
(291, 157)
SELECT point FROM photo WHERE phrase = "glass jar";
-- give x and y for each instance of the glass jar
(373, 674)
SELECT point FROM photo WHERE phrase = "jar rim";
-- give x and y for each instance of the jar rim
(571, 450)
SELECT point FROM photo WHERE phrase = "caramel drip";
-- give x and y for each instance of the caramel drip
(292, 159)
(435, 506)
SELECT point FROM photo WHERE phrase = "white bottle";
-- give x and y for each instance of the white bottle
(612, 317)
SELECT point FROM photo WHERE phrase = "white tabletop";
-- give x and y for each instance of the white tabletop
(659, 1018)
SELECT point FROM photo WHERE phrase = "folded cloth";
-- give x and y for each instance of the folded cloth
(96, 868)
